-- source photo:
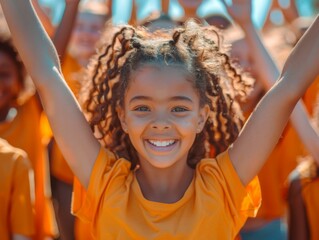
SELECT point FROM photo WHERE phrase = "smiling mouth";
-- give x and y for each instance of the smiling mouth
(158, 143)
(161, 145)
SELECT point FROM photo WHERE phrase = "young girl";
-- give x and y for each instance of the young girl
(155, 103)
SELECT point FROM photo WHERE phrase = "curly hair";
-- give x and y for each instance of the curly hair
(192, 48)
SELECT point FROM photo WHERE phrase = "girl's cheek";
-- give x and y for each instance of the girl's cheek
(187, 124)
(137, 121)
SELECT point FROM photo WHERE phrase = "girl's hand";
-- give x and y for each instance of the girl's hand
(240, 11)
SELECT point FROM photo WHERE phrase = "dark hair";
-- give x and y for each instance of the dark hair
(7, 47)
(195, 49)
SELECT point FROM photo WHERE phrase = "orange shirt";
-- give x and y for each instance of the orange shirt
(311, 96)
(215, 205)
(16, 211)
(274, 173)
(71, 70)
(24, 132)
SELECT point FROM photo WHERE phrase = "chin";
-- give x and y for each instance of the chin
(161, 162)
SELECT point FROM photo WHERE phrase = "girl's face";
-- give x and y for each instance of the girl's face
(162, 115)
(9, 81)
(86, 33)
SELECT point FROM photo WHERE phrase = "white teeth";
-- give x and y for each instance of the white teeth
(162, 143)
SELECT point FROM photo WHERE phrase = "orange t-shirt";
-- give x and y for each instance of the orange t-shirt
(16, 196)
(24, 132)
(311, 96)
(215, 205)
(274, 173)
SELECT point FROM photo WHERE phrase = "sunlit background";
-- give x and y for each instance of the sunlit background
(122, 9)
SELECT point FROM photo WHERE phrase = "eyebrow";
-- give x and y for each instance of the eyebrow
(175, 98)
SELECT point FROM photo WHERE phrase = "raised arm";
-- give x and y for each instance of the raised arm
(264, 127)
(63, 33)
(268, 72)
(69, 126)
(45, 20)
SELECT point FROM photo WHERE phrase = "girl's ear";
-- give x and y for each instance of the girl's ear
(203, 116)
(121, 115)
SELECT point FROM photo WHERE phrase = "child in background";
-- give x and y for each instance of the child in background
(303, 181)
(88, 27)
(268, 224)
(16, 194)
(152, 102)
(20, 125)
(303, 198)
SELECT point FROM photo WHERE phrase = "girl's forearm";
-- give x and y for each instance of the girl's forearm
(31, 40)
(301, 67)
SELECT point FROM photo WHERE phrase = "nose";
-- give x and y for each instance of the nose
(161, 122)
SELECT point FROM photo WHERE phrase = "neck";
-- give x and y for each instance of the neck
(164, 185)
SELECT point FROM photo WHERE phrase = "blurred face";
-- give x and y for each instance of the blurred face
(86, 33)
(9, 81)
(240, 54)
(162, 116)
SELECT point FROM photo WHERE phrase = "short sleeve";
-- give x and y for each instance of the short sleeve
(21, 207)
(247, 199)
(239, 201)
(107, 172)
